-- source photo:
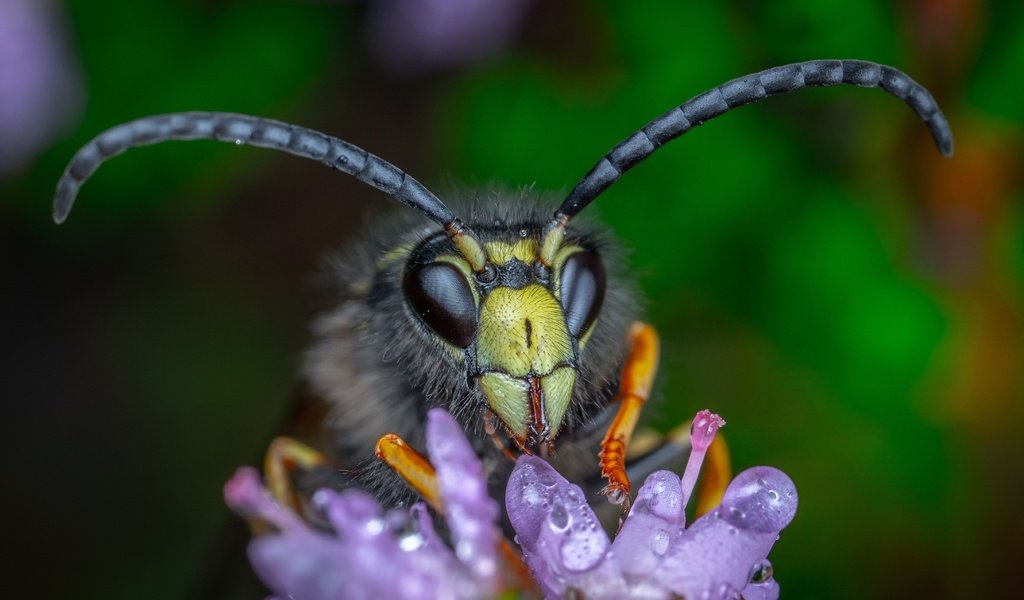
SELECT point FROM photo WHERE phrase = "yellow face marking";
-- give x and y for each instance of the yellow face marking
(524, 249)
(522, 332)
(552, 241)
(507, 397)
(557, 387)
(470, 248)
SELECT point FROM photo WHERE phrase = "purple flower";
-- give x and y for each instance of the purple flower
(40, 85)
(376, 554)
(723, 554)
(368, 552)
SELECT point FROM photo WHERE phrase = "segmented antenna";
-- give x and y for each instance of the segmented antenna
(750, 88)
(264, 133)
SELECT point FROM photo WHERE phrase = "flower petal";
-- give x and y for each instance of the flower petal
(656, 516)
(760, 499)
(375, 554)
(470, 511)
(717, 554)
(556, 528)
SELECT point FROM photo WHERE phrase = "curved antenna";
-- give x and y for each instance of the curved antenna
(264, 133)
(738, 92)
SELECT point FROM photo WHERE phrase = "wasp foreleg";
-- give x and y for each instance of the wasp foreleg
(637, 375)
(411, 466)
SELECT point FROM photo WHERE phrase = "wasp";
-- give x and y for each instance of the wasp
(523, 324)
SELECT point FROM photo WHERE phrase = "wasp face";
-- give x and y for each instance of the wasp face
(518, 327)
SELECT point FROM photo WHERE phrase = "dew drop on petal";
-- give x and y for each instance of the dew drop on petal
(532, 495)
(582, 547)
(735, 515)
(463, 550)
(659, 542)
(661, 495)
(761, 572)
(761, 499)
(408, 543)
(375, 526)
(558, 518)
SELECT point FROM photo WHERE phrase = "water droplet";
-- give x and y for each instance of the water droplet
(238, 142)
(616, 497)
(761, 499)
(532, 495)
(582, 548)
(411, 542)
(464, 550)
(375, 526)
(523, 233)
(659, 543)
(558, 518)
(761, 572)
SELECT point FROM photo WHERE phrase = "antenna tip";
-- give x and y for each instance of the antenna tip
(941, 133)
(944, 141)
(60, 211)
(64, 199)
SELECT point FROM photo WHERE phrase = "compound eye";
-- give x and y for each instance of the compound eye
(439, 293)
(582, 291)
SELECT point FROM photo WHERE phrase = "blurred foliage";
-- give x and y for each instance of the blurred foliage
(847, 299)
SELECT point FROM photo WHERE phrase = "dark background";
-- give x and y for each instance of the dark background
(848, 300)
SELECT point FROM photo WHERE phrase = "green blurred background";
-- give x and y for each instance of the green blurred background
(847, 299)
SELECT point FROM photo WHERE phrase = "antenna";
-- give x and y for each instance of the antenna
(264, 133)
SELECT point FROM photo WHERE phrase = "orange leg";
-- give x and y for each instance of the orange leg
(637, 376)
(284, 456)
(411, 466)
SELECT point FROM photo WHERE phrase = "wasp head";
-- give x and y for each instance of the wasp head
(519, 326)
